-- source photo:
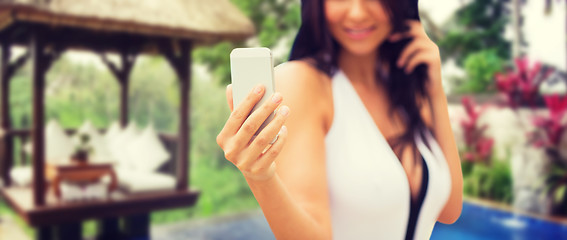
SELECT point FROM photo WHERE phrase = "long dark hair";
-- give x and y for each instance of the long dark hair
(315, 42)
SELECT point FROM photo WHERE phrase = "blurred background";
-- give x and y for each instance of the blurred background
(504, 65)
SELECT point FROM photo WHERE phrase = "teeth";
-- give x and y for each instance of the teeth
(358, 31)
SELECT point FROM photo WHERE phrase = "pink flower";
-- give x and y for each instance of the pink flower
(479, 147)
(557, 105)
(521, 86)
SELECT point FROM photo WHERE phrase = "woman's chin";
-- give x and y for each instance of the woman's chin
(361, 50)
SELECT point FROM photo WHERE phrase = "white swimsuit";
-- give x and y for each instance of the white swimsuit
(368, 187)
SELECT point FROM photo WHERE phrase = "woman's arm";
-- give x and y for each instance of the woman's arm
(294, 199)
(296, 202)
(444, 136)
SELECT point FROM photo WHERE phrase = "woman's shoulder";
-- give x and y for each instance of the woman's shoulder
(301, 70)
(301, 82)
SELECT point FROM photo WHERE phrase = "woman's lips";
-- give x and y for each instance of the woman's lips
(359, 33)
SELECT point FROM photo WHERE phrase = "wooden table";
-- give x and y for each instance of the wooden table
(80, 173)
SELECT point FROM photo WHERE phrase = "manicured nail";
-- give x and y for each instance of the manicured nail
(283, 129)
(284, 111)
(277, 98)
(258, 89)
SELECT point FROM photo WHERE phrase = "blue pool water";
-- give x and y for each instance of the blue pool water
(476, 223)
(479, 222)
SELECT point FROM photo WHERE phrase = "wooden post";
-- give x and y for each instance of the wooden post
(44, 233)
(122, 74)
(7, 70)
(179, 57)
(72, 230)
(137, 226)
(124, 89)
(516, 29)
(41, 62)
(184, 63)
(108, 228)
(6, 147)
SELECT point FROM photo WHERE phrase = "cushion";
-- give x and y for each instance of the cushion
(112, 131)
(147, 153)
(21, 175)
(73, 192)
(118, 144)
(141, 181)
(58, 146)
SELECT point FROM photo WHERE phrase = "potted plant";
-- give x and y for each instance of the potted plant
(82, 151)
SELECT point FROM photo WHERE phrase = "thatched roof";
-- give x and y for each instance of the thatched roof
(200, 20)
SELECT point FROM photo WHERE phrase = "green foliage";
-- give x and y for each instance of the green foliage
(223, 191)
(274, 20)
(477, 26)
(6, 211)
(493, 182)
(556, 186)
(480, 68)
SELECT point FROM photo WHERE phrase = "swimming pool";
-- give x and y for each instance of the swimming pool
(480, 222)
(476, 222)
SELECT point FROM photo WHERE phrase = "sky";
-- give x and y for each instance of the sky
(441, 10)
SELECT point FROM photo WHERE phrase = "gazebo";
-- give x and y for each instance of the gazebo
(128, 28)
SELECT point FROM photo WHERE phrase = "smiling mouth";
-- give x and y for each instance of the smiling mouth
(359, 33)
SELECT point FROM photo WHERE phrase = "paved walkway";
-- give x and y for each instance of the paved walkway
(241, 226)
(10, 229)
(249, 225)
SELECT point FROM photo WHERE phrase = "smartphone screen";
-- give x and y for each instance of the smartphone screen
(248, 68)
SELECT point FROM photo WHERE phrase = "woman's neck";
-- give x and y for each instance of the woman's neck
(360, 69)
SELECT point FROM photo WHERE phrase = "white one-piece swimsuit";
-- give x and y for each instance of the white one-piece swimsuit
(368, 187)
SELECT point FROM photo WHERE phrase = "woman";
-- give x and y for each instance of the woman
(367, 152)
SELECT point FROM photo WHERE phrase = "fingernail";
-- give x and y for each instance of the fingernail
(283, 129)
(284, 111)
(258, 89)
(277, 97)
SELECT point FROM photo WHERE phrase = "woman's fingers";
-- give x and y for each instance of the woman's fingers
(398, 36)
(409, 51)
(415, 61)
(229, 97)
(414, 31)
(275, 148)
(238, 116)
(242, 111)
(255, 120)
(263, 140)
(264, 166)
(269, 133)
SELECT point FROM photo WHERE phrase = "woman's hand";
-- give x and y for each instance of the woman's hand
(254, 157)
(421, 50)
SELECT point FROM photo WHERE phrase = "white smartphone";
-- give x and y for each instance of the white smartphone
(248, 68)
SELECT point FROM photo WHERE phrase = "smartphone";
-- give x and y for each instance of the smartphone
(248, 68)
